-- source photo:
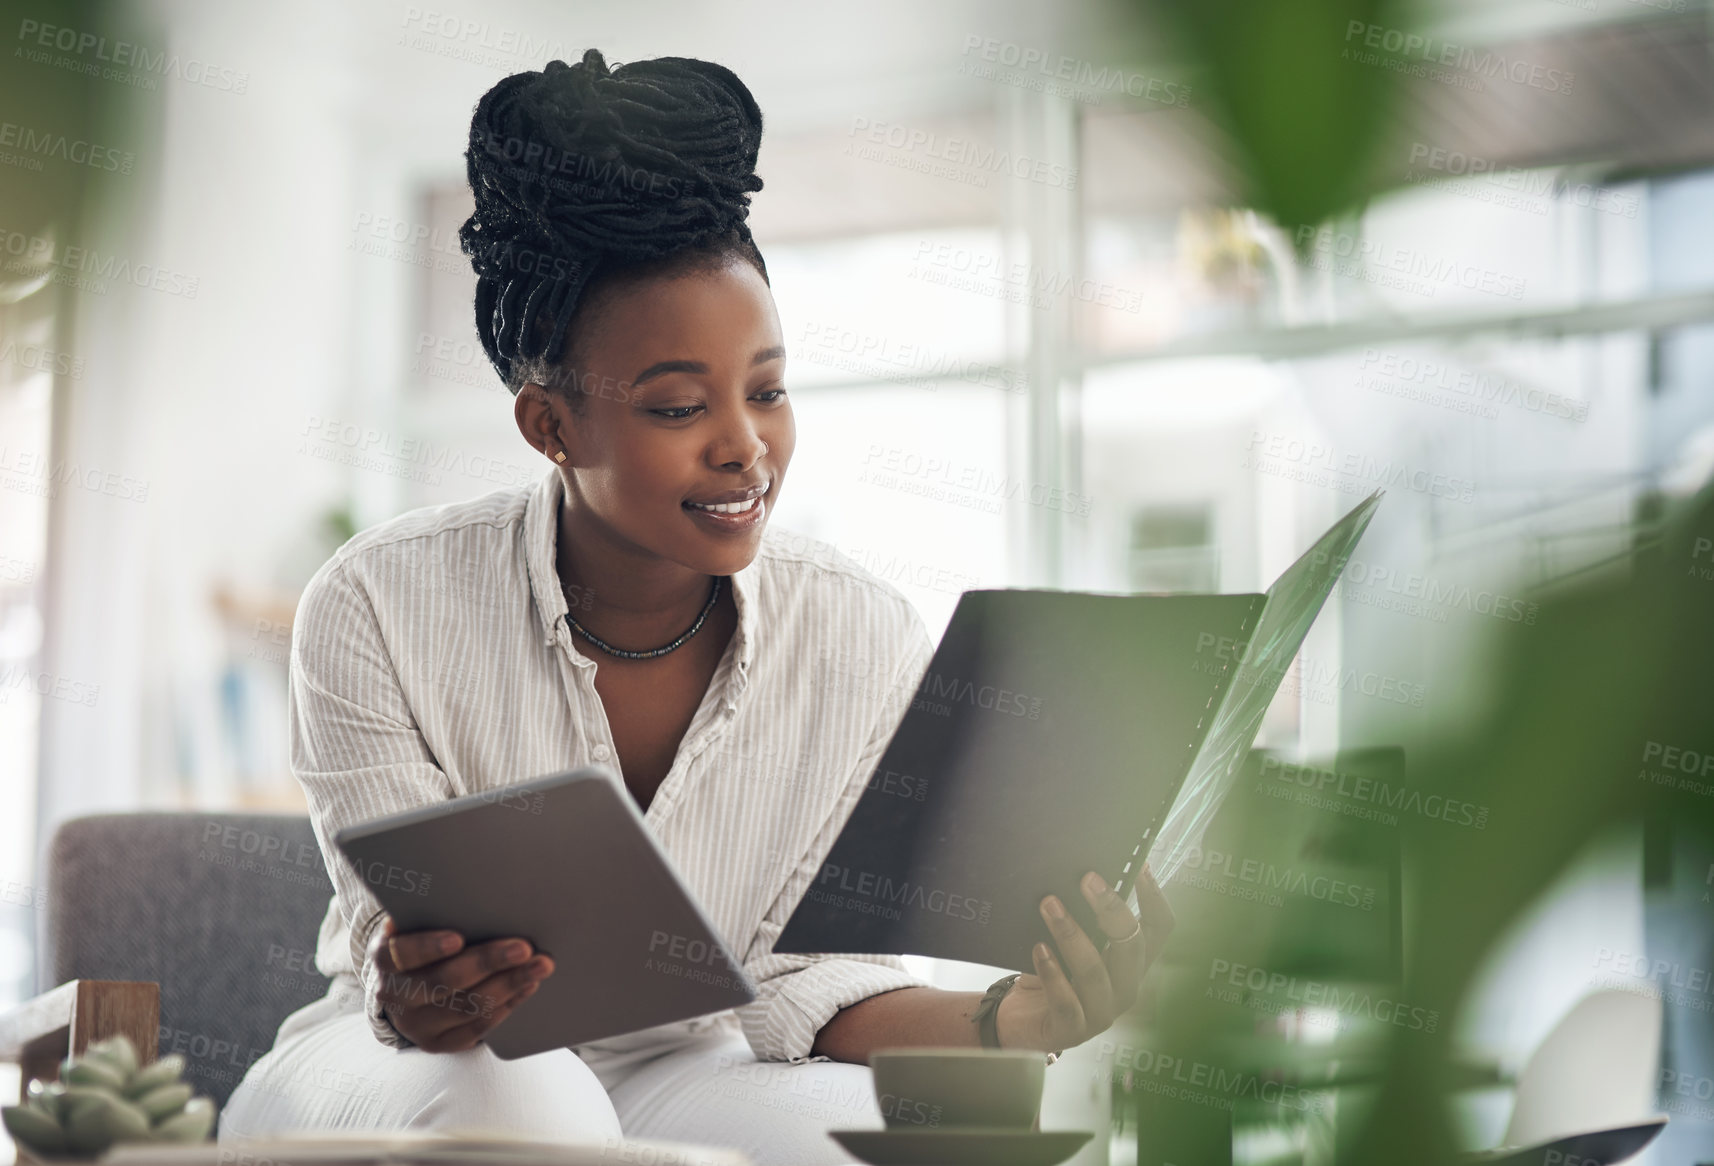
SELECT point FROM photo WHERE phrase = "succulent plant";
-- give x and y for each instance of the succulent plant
(104, 1097)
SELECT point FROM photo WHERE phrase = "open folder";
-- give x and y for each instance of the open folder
(1055, 733)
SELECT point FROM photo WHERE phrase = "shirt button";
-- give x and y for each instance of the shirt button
(602, 753)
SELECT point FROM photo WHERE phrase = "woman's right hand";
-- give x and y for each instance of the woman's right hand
(444, 998)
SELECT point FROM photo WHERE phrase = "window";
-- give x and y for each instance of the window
(1173, 549)
(28, 363)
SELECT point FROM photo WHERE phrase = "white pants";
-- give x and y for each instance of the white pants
(327, 1072)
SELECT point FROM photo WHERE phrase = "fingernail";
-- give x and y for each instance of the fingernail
(1043, 953)
(1096, 883)
(1054, 908)
(449, 944)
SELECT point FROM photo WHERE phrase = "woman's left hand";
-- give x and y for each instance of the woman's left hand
(1059, 1007)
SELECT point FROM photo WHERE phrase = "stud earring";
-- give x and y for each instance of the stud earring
(560, 456)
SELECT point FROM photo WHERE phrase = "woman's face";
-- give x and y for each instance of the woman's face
(684, 409)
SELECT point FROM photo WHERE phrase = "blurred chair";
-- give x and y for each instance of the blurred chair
(1595, 1070)
(192, 933)
(195, 933)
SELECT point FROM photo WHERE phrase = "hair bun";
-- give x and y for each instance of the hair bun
(578, 162)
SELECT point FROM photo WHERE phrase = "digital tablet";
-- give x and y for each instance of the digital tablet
(567, 863)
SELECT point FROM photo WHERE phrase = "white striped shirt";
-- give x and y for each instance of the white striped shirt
(431, 659)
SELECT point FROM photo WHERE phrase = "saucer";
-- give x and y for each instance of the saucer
(965, 1146)
(1590, 1148)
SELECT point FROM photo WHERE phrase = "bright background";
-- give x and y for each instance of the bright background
(1167, 398)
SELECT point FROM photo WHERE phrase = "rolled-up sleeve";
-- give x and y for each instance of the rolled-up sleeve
(355, 748)
(798, 994)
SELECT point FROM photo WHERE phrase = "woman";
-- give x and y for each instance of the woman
(632, 610)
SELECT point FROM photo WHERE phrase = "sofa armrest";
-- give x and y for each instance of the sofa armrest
(63, 1021)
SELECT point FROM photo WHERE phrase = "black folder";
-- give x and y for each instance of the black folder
(1051, 734)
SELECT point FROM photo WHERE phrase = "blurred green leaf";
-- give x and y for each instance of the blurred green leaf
(1299, 96)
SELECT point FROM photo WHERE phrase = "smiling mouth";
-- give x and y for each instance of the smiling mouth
(726, 507)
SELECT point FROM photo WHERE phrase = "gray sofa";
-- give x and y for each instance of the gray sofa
(191, 932)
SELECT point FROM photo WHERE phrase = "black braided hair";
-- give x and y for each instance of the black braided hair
(586, 176)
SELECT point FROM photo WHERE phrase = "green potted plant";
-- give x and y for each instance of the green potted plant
(105, 1097)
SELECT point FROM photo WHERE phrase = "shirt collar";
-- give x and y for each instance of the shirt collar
(541, 533)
